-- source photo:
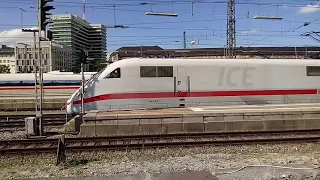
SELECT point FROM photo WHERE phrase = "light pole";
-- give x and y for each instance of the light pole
(22, 10)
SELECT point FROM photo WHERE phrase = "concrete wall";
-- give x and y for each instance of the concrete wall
(209, 122)
(23, 104)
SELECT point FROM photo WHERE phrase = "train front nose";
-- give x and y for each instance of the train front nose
(74, 102)
(71, 105)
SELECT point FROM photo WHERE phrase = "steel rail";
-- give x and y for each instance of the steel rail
(21, 123)
(20, 116)
(157, 141)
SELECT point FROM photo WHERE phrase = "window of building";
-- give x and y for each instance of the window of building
(114, 74)
(0, 61)
(313, 70)
(156, 71)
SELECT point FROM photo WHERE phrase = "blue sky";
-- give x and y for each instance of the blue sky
(207, 26)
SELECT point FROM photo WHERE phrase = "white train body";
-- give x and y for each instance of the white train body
(22, 85)
(199, 82)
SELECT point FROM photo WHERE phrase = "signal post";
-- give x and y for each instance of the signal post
(83, 59)
(42, 23)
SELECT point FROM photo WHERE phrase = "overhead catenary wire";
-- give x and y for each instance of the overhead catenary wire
(289, 30)
(136, 3)
(129, 5)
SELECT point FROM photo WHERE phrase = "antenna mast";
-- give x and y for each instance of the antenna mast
(84, 10)
(231, 29)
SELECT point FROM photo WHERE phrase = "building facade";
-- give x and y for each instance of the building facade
(56, 57)
(7, 58)
(97, 42)
(78, 34)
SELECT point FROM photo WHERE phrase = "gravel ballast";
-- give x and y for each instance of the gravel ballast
(213, 159)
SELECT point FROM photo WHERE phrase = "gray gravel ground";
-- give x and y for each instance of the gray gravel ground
(6, 134)
(213, 159)
(20, 133)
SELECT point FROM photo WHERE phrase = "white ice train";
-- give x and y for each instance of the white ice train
(161, 83)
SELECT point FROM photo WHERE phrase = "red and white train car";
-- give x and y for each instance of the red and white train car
(161, 83)
(22, 85)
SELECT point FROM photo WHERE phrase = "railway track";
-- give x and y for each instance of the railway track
(156, 141)
(21, 123)
(17, 120)
(46, 115)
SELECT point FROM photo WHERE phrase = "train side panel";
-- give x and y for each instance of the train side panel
(206, 82)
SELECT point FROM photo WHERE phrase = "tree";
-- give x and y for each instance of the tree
(97, 65)
(94, 65)
(4, 69)
(81, 58)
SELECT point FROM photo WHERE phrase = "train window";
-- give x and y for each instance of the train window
(165, 71)
(148, 71)
(114, 74)
(313, 70)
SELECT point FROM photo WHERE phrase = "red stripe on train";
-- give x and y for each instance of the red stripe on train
(45, 88)
(197, 94)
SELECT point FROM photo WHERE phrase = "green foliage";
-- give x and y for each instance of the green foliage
(4, 69)
(81, 58)
(97, 65)
(94, 65)
(76, 67)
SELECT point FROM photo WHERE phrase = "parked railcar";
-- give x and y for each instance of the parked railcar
(54, 83)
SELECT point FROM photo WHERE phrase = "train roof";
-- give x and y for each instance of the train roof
(182, 61)
(46, 76)
(68, 73)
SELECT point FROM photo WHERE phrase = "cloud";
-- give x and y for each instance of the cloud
(13, 36)
(310, 9)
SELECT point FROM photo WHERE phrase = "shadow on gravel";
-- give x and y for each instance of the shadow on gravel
(75, 162)
(302, 178)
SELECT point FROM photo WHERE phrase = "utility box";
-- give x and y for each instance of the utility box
(31, 125)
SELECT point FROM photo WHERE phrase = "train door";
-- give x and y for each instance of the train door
(181, 80)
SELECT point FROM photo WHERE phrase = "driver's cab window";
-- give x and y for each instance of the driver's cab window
(114, 74)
